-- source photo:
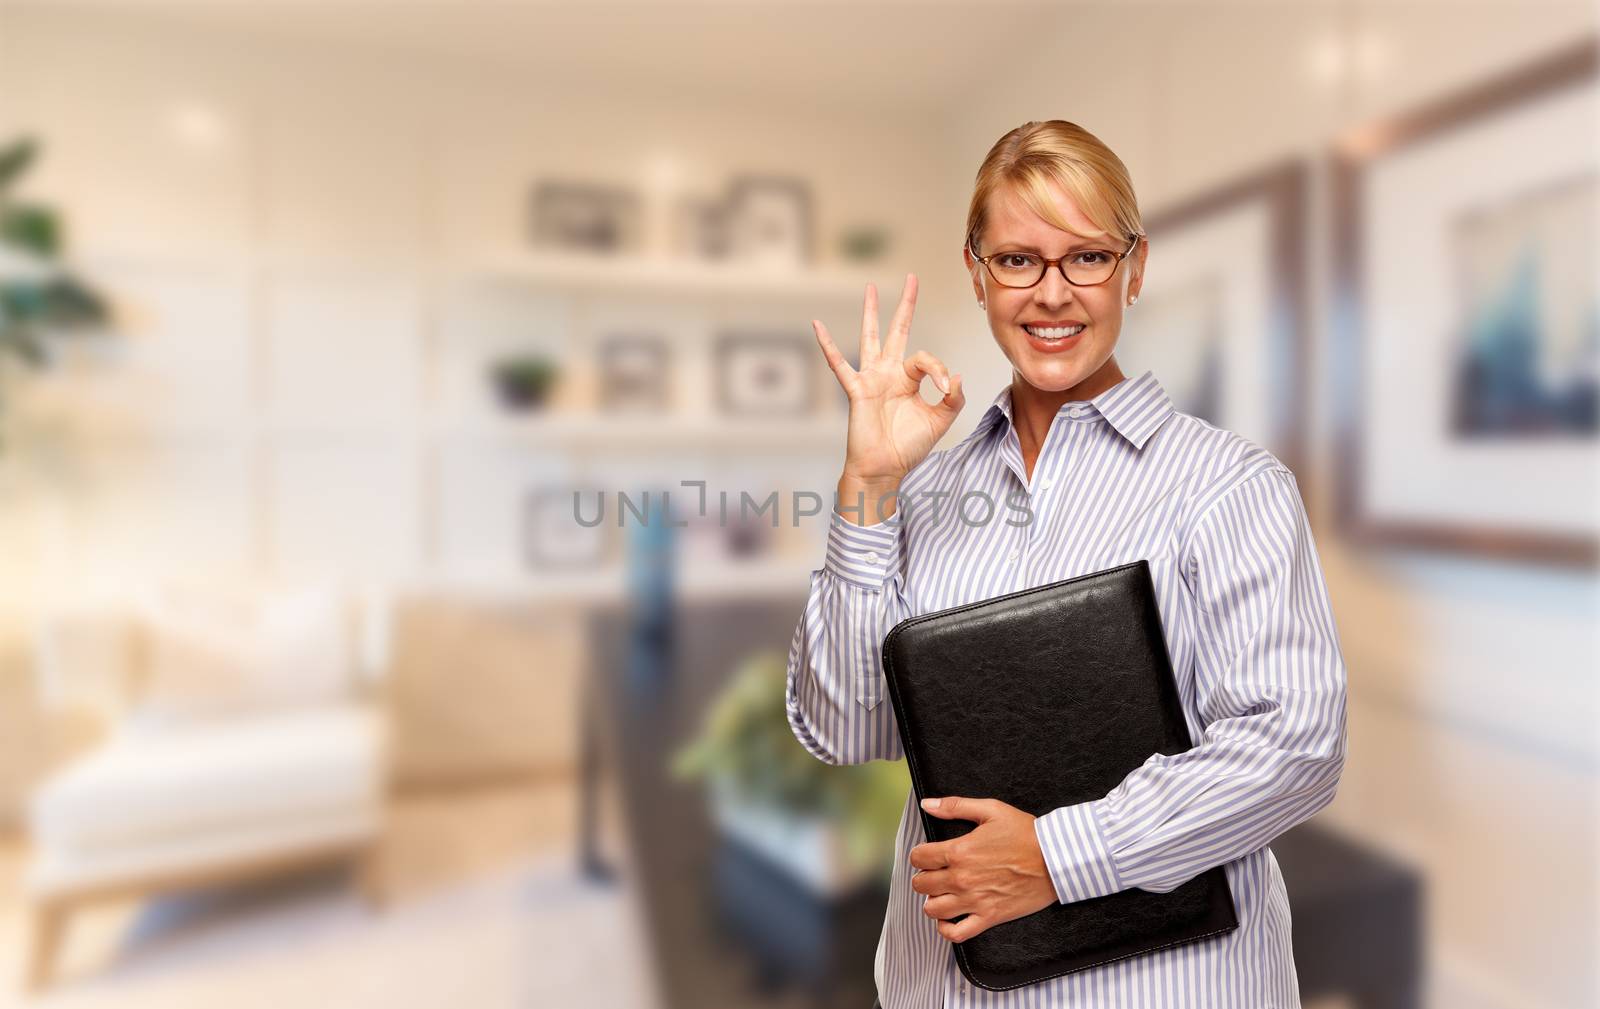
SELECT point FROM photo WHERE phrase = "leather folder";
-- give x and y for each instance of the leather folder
(1043, 698)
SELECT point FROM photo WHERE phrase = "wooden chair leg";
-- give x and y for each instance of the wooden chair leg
(49, 928)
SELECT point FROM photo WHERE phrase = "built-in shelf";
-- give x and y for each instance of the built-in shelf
(621, 276)
(765, 578)
(555, 431)
(589, 431)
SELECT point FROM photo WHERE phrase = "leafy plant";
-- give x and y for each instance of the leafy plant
(746, 742)
(37, 296)
(524, 380)
(864, 243)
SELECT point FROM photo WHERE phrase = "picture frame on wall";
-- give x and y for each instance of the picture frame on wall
(768, 221)
(1223, 322)
(553, 538)
(586, 217)
(764, 373)
(1468, 321)
(635, 373)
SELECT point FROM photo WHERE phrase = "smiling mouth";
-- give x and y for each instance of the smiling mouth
(1054, 333)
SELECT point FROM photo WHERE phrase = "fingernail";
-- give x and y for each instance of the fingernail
(944, 384)
(930, 803)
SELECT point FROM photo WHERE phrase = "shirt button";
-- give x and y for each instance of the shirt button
(1047, 483)
(872, 557)
(1013, 555)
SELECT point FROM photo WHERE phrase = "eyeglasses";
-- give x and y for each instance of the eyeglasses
(1081, 267)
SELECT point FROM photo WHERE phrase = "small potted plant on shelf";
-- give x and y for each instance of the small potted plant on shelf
(863, 243)
(829, 827)
(524, 382)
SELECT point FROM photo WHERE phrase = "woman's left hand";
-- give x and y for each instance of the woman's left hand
(993, 874)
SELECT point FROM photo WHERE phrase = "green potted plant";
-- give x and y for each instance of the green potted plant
(38, 297)
(831, 827)
(863, 243)
(524, 382)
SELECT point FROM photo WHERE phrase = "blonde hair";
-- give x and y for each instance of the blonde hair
(1035, 154)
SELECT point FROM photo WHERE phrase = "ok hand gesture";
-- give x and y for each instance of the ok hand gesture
(891, 427)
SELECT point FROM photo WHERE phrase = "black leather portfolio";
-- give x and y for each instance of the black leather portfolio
(1043, 698)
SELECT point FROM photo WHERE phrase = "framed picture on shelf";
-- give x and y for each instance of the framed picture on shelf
(700, 227)
(764, 373)
(584, 217)
(707, 540)
(1222, 323)
(634, 373)
(555, 536)
(747, 537)
(769, 221)
(1468, 335)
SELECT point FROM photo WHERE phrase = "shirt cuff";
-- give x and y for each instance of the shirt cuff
(1075, 852)
(863, 555)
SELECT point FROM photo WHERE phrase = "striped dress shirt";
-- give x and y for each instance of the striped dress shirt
(1250, 631)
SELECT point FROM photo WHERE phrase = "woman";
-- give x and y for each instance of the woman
(1082, 468)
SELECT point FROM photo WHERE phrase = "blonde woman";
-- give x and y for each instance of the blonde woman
(1075, 467)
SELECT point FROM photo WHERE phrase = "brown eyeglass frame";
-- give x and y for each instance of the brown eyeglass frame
(1048, 263)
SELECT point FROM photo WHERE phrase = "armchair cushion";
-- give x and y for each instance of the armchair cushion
(146, 786)
(210, 652)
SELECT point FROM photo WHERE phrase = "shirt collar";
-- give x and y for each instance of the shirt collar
(1134, 407)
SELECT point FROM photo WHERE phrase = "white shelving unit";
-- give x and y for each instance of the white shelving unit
(717, 293)
(730, 580)
(626, 276)
(590, 432)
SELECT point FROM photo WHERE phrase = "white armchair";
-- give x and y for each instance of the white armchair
(250, 736)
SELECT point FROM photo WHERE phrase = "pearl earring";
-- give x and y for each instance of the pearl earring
(1133, 299)
(980, 304)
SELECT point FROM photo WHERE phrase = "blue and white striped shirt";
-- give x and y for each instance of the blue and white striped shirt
(1251, 635)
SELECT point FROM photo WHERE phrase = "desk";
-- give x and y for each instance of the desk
(643, 704)
(1357, 919)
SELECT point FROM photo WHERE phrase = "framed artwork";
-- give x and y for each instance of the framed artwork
(554, 538)
(584, 217)
(634, 373)
(769, 221)
(706, 539)
(1221, 319)
(700, 228)
(764, 373)
(1468, 325)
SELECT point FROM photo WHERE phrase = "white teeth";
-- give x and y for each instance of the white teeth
(1054, 334)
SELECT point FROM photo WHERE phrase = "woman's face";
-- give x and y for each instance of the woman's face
(1054, 365)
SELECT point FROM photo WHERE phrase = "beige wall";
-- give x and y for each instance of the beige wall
(1473, 709)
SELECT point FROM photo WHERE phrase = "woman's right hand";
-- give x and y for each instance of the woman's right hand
(891, 427)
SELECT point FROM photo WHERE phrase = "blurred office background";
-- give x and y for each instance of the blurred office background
(316, 315)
